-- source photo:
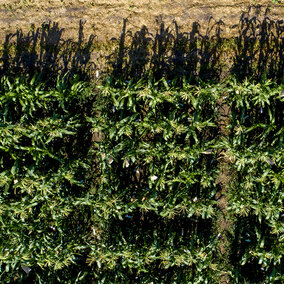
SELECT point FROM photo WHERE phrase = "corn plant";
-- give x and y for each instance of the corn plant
(116, 183)
(157, 171)
(256, 194)
(42, 173)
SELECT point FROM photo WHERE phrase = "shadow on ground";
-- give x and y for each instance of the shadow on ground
(43, 50)
(256, 52)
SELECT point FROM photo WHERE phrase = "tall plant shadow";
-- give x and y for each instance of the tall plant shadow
(259, 46)
(255, 52)
(168, 53)
(43, 50)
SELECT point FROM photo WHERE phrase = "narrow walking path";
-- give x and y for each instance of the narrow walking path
(224, 223)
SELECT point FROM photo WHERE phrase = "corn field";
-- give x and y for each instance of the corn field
(117, 182)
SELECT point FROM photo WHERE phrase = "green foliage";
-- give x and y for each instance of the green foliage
(117, 183)
(256, 194)
(42, 172)
(156, 180)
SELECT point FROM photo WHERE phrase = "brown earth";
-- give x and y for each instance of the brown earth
(224, 223)
(110, 27)
(104, 19)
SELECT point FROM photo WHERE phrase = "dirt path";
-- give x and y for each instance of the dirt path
(224, 223)
(104, 19)
(130, 34)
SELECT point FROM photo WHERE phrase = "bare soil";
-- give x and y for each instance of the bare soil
(104, 18)
(224, 223)
(109, 27)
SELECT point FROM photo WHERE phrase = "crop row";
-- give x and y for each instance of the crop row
(117, 182)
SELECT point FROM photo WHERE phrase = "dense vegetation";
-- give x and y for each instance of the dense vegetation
(116, 183)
